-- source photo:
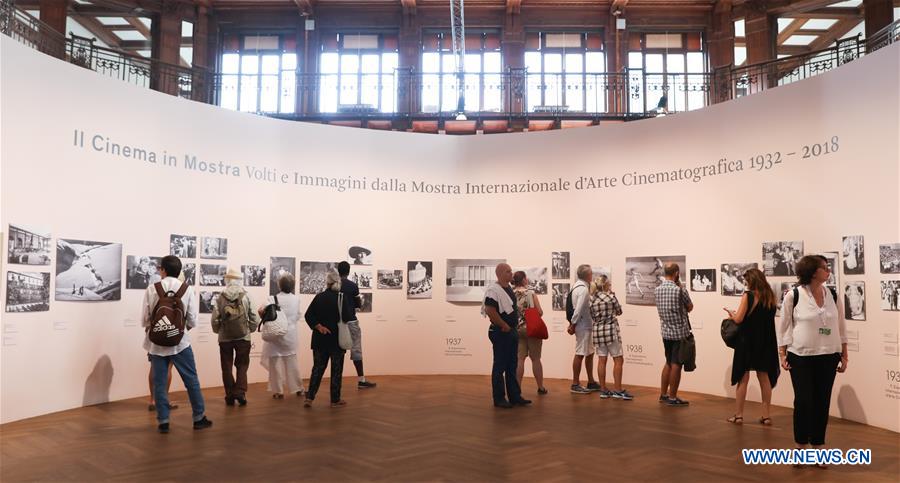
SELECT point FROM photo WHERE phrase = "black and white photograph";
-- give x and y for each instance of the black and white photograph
(854, 255)
(279, 266)
(558, 297)
(390, 279)
(28, 246)
(254, 275)
(832, 258)
(855, 300)
(359, 255)
(890, 293)
(212, 275)
(27, 291)
(468, 278)
(889, 258)
(703, 280)
(312, 276)
(214, 248)
(419, 280)
(780, 289)
(644, 274)
(141, 271)
(207, 301)
(366, 303)
(362, 277)
(780, 257)
(188, 272)
(597, 271)
(537, 278)
(560, 266)
(89, 271)
(183, 246)
(733, 283)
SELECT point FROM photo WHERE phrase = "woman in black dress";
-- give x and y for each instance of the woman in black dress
(757, 347)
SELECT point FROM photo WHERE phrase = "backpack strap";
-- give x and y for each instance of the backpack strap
(181, 290)
(277, 306)
(833, 293)
(830, 289)
(796, 296)
(159, 290)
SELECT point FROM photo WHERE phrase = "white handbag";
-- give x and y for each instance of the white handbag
(274, 330)
(345, 341)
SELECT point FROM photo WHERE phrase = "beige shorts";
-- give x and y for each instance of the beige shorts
(529, 346)
(584, 345)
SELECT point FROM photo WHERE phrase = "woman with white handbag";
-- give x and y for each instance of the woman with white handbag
(330, 338)
(279, 351)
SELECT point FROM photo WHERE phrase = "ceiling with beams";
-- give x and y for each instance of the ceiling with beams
(805, 25)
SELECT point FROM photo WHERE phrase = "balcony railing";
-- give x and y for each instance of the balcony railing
(408, 95)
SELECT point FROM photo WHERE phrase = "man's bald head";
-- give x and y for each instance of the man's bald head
(671, 270)
(504, 274)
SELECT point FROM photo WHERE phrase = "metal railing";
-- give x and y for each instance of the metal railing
(407, 94)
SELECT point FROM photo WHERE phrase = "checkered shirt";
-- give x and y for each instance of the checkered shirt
(671, 303)
(604, 309)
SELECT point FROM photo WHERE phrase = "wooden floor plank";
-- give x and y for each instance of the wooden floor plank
(424, 428)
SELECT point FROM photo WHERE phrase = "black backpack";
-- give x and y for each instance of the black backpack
(797, 295)
(570, 307)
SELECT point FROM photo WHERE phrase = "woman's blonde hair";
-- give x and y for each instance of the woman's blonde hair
(600, 284)
(333, 281)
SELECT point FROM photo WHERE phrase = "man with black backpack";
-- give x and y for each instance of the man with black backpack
(234, 319)
(168, 313)
(578, 313)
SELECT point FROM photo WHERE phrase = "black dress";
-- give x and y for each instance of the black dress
(757, 347)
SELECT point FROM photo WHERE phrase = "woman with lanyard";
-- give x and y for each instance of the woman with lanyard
(812, 345)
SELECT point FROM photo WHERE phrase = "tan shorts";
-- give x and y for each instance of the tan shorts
(529, 346)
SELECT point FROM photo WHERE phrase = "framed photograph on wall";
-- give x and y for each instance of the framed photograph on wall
(141, 271)
(855, 300)
(189, 273)
(890, 295)
(644, 274)
(212, 275)
(889, 258)
(560, 266)
(468, 278)
(854, 255)
(183, 246)
(420, 280)
(28, 246)
(27, 291)
(214, 248)
(312, 276)
(254, 275)
(279, 266)
(390, 279)
(733, 283)
(207, 301)
(780, 257)
(703, 280)
(558, 297)
(366, 305)
(88, 271)
(537, 278)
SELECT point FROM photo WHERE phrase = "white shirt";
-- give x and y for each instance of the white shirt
(801, 328)
(287, 346)
(190, 316)
(581, 318)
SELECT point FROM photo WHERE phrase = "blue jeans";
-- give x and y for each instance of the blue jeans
(184, 363)
(503, 373)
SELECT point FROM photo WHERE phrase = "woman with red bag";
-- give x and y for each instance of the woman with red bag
(528, 346)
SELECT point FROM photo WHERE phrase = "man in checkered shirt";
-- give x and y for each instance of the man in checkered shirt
(673, 304)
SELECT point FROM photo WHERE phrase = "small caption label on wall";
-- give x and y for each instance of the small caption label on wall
(853, 346)
(411, 318)
(9, 340)
(129, 323)
(380, 318)
(853, 334)
(450, 319)
(454, 347)
(631, 322)
(60, 326)
(10, 329)
(202, 338)
(890, 337)
(558, 324)
(891, 349)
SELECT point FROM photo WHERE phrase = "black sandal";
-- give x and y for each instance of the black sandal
(736, 419)
(765, 421)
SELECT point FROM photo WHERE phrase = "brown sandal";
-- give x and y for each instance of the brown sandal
(736, 419)
(765, 421)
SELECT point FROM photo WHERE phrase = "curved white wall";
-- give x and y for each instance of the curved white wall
(83, 353)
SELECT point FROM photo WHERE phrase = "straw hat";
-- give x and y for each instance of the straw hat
(233, 275)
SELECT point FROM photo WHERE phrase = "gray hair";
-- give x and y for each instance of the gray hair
(583, 270)
(333, 280)
(286, 283)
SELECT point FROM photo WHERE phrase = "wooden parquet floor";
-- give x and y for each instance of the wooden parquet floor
(424, 428)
